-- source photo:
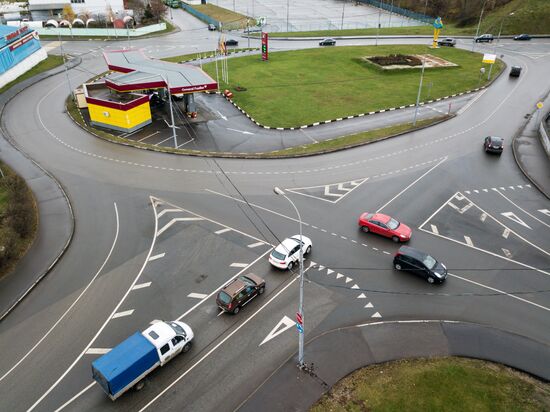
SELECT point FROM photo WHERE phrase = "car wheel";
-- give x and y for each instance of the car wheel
(236, 310)
(186, 347)
(308, 250)
(431, 279)
(395, 239)
(261, 290)
(290, 265)
(397, 266)
(365, 229)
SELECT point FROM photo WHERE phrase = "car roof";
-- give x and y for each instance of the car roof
(164, 332)
(234, 287)
(381, 217)
(286, 245)
(410, 251)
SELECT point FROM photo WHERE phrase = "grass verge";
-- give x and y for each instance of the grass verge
(45, 65)
(448, 384)
(192, 56)
(18, 219)
(312, 85)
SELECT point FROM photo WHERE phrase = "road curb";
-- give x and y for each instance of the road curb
(5, 99)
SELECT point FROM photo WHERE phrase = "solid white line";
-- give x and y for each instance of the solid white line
(409, 186)
(238, 265)
(147, 137)
(197, 295)
(162, 212)
(500, 291)
(524, 211)
(219, 232)
(123, 313)
(107, 320)
(76, 396)
(468, 240)
(74, 302)
(253, 245)
(142, 285)
(177, 219)
(219, 344)
(489, 253)
(160, 255)
(97, 351)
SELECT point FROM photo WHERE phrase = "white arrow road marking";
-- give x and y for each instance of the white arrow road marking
(197, 295)
(507, 253)
(512, 216)
(362, 296)
(369, 305)
(277, 330)
(142, 285)
(160, 255)
(327, 192)
(239, 131)
(122, 314)
(376, 315)
(97, 351)
(544, 211)
(221, 115)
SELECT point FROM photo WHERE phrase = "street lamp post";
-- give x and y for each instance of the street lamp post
(378, 28)
(287, 13)
(498, 41)
(64, 63)
(173, 126)
(478, 24)
(343, 9)
(419, 90)
(301, 334)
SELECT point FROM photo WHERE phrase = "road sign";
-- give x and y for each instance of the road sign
(489, 58)
(299, 318)
(300, 328)
(540, 105)
(264, 46)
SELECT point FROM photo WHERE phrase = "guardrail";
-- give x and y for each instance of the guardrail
(544, 129)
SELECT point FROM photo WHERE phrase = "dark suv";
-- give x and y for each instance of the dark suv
(419, 263)
(493, 144)
(239, 292)
(484, 38)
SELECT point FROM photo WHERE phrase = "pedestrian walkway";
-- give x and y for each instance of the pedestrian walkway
(333, 355)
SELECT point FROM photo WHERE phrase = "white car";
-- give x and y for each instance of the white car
(287, 254)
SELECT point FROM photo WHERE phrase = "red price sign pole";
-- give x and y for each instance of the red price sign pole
(264, 46)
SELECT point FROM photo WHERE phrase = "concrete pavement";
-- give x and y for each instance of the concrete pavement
(337, 353)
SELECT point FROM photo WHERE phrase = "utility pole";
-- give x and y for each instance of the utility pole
(498, 41)
(478, 25)
(378, 29)
(287, 13)
(64, 63)
(343, 8)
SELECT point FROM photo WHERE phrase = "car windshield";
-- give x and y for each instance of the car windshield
(393, 224)
(429, 262)
(496, 140)
(278, 255)
(177, 328)
(224, 297)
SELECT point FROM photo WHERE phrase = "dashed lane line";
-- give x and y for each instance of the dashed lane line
(159, 256)
(141, 286)
(238, 265)
(197, 295)
(122, 314)
(219, 232)
(97, 351)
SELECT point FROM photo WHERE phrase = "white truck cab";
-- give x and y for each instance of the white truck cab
(170, 338)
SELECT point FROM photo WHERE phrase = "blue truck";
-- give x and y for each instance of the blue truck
(124, 366)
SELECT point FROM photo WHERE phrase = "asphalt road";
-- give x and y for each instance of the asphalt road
(157, 235)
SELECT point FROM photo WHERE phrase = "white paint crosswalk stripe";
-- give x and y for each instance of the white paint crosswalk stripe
(197, 295)
(253, 245)
(159, 256)
(238, 265)
(97, 351)
(141, 285)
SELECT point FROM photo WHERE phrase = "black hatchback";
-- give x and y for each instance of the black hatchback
(493, 144)
(420, 263)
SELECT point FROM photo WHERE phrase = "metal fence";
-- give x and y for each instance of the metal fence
(77, 31)
(389, 6)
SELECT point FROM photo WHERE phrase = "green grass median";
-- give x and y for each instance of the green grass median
(449, 384)
(301, 87)
(51, 62)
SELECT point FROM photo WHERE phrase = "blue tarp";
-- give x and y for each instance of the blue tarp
(124, 363)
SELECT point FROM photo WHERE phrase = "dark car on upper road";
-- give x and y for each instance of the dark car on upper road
(239, 292)
(212, 27)
(420, 263)
(447, 42)
(493, 144)
(327, 42)
(522, 37)
(515, 71)
(484, 38)
(231, 42)
(385, 225)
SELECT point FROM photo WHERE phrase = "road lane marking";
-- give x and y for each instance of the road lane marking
(483, 217)
(515, 218)
(376, 315)
(163, 212)
(362, 296)
(159, 256)
(238, 265)
(122, 314)
(74, 302)
(253, 245)
(507, 253)
(348, 279)
(197, 295)
(434, 229)
(412, 184)
(339, 275)
(355, 286)
(177, 219)
(506, 233)
(286, 324)
(219, 232)
(142, 285)
(437, 211)
(147, 137)
(369, 305)
(544, 211)
(97, 351)
(525, 211)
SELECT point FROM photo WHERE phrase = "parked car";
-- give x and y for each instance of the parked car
(212, 27)
(484, 38)
(231, 42)
(522, 37)
(385, 225)
(239, 292)
(420, 263)
(515, 71)
(285, 255)
(327, 42)
(447, 42)
(493, 144)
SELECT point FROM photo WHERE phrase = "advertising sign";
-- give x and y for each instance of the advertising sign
(489, 58)
(264, 46)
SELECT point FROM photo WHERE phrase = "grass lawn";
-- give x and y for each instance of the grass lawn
(306, 86)
(229, 19)
(191, 56)
(45, 65)
(449, 384)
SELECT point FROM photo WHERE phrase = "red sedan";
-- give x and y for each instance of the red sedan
(385, 225)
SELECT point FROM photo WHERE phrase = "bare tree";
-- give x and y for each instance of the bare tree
(158, 8)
